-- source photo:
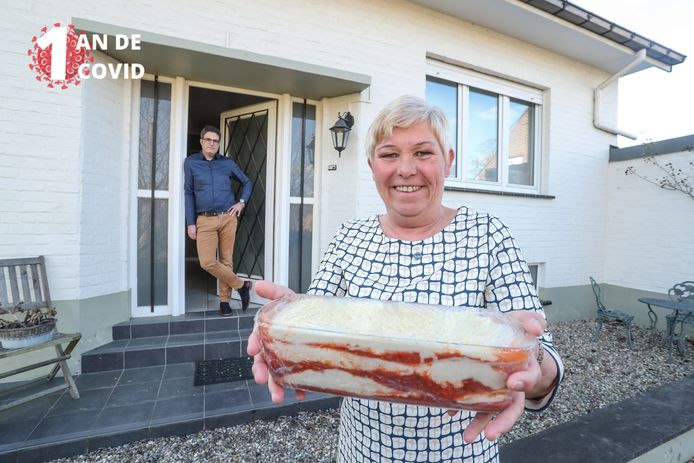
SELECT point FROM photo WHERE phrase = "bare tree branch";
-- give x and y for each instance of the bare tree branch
(674, 179)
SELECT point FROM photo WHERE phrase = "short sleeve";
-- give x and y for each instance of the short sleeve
(330, 280)
(510, 287)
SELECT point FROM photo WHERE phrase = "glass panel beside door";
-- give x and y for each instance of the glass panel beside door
(301, 196)
(145, 264)
(153, 186)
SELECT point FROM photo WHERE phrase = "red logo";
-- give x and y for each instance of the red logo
(56, 56)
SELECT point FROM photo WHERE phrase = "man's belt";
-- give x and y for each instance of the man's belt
(211, 214)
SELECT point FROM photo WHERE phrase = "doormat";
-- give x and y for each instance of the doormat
(222, 370)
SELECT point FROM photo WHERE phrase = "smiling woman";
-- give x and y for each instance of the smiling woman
(410, 157)
(421, 251)
(409, 168)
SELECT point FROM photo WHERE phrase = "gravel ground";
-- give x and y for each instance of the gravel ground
(597, 374)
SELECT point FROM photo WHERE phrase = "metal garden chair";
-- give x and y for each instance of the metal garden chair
(681, 292)
(605, 313)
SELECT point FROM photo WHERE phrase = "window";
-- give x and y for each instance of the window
(153, 194)
(534, 269)
(301, 197)
(495, 128)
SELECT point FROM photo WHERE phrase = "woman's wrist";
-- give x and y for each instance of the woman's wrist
(548, 378)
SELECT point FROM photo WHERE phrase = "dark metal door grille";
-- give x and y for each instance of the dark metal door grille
(246, 144)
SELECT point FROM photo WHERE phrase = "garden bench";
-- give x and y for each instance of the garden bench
(24, 281)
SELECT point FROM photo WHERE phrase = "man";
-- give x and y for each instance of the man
(212, 213)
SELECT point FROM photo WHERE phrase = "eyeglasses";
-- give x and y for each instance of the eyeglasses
(210, 140)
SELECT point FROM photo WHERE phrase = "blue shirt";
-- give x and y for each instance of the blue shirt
(208, 185)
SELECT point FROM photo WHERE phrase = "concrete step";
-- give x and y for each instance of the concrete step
(193, 322)
(165, 350)
(153, 341)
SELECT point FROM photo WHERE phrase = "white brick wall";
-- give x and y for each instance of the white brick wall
(63, 167)
(338, 187)
(56, 145)
(39, 155)
(105, 153)
(649, 243)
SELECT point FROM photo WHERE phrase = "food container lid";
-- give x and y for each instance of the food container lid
(403, 322)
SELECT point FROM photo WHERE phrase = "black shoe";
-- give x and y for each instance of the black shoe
(245, 293)
(224, 309)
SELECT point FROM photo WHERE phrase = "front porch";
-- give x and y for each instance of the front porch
(140, 386)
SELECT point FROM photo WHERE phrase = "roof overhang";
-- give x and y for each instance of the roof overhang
(196, 61)
(561, 27)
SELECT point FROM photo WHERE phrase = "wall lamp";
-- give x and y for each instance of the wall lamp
(340, 131)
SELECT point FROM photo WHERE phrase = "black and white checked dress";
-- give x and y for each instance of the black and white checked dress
(473, 261)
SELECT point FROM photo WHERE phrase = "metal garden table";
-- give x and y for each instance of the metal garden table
(680, 308)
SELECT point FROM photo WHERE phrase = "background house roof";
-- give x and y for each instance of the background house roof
(564, 28)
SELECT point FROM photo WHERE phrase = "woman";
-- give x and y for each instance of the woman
(422, 251)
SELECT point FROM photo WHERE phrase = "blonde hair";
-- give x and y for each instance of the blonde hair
(404, 112)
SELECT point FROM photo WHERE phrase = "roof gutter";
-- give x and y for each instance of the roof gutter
(639, 57)
(660, 56)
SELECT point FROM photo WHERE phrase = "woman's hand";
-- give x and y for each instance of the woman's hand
(271, 291)
(535, 381)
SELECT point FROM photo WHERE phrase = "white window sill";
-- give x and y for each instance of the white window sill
(498, 192)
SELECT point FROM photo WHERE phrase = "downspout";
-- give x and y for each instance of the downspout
(597, 120)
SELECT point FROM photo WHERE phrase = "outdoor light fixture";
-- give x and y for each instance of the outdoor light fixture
(340, 131)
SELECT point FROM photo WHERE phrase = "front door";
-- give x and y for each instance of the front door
(248, 138)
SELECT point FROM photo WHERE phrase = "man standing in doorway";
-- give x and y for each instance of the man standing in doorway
(212, 214)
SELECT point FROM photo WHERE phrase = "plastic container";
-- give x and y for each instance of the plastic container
(448, 357)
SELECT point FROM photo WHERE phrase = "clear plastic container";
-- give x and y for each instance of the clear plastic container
(448, 357)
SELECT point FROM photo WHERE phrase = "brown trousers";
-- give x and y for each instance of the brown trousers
(218, 233)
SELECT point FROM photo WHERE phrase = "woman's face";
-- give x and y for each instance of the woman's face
(410, 169)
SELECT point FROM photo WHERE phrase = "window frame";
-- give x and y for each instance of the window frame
(537, 273)
(159, 194)
(506, 90)
(311, 201)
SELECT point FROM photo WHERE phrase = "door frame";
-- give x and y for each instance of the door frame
(278, 203)
(283, 186)
(179, 98)
(177, 154)
(179, 275)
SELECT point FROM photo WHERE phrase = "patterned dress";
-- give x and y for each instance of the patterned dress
(474, 262)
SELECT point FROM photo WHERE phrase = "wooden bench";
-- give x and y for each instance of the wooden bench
(24, 280)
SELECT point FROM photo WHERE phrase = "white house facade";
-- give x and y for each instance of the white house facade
(91, 176)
